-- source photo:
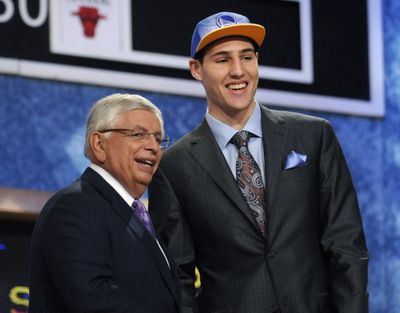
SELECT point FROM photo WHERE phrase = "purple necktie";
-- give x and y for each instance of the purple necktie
(249, 179)
(144, 216)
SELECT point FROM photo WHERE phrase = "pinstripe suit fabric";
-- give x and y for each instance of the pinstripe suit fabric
(314, 257)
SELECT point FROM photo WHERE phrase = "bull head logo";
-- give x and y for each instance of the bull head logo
(89, 17)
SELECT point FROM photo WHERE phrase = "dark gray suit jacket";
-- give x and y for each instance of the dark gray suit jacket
(90, 253)
(314, 257)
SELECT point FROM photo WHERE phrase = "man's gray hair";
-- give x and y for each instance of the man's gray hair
(106, 111)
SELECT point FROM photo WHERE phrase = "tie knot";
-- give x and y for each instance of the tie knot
(241, 138)
(139, 206)
(140, 211)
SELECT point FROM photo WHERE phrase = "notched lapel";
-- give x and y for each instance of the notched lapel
(205, 150)
(274, 134)
(135, 228)
(138, 230)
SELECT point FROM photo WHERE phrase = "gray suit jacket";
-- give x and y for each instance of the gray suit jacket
(314, 257)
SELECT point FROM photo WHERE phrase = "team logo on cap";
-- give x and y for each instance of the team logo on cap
(224, 20)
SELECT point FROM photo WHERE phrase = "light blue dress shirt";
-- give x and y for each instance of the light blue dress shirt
(223, 134)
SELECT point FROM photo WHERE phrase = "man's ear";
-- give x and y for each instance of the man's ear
(98, 144)
(195, 69)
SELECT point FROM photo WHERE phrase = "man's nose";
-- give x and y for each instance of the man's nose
(236, 67)
(152, 142)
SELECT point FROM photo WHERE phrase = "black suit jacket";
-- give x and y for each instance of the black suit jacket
(314, 257)
(90, 253)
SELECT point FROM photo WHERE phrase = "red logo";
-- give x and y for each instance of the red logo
(89, 17)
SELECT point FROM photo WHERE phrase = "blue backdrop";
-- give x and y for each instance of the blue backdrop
(42, 134)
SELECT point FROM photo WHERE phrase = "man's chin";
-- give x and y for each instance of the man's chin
(144, 182)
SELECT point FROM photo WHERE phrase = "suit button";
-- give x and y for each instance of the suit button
(275, 308)
(271, 254)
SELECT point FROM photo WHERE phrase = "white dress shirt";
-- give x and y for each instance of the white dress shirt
(121, 191)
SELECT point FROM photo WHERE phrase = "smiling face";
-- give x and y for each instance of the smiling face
(229, 74)
(131, 162)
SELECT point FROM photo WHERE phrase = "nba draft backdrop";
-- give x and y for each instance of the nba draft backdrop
(131, 44)
(335, 59)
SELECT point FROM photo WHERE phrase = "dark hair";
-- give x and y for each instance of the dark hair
(200, 54)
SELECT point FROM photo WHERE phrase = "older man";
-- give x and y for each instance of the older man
(93, 248)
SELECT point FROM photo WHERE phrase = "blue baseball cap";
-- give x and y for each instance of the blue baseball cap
(222, 25)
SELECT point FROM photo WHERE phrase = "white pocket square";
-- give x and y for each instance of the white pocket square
(294, 160)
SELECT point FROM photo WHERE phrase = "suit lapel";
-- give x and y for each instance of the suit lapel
(205, 150)
(153, 248)
(136, 227)
(173, 271)
(274, 141)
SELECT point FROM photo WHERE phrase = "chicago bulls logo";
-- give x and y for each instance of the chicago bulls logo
(89, 17)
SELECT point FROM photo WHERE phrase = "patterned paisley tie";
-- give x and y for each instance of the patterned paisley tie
(144, 216)
(249, 179)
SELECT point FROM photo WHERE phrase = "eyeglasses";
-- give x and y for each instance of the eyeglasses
(140, 136)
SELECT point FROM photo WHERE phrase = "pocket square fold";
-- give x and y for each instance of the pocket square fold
(294, 160)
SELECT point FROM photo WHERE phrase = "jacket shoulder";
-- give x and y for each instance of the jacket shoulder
(184, 142)
(289, 117)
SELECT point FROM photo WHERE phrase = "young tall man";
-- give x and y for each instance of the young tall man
(260, 201)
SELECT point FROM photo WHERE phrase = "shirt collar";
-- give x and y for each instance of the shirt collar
(223, 132)
(114, 183)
